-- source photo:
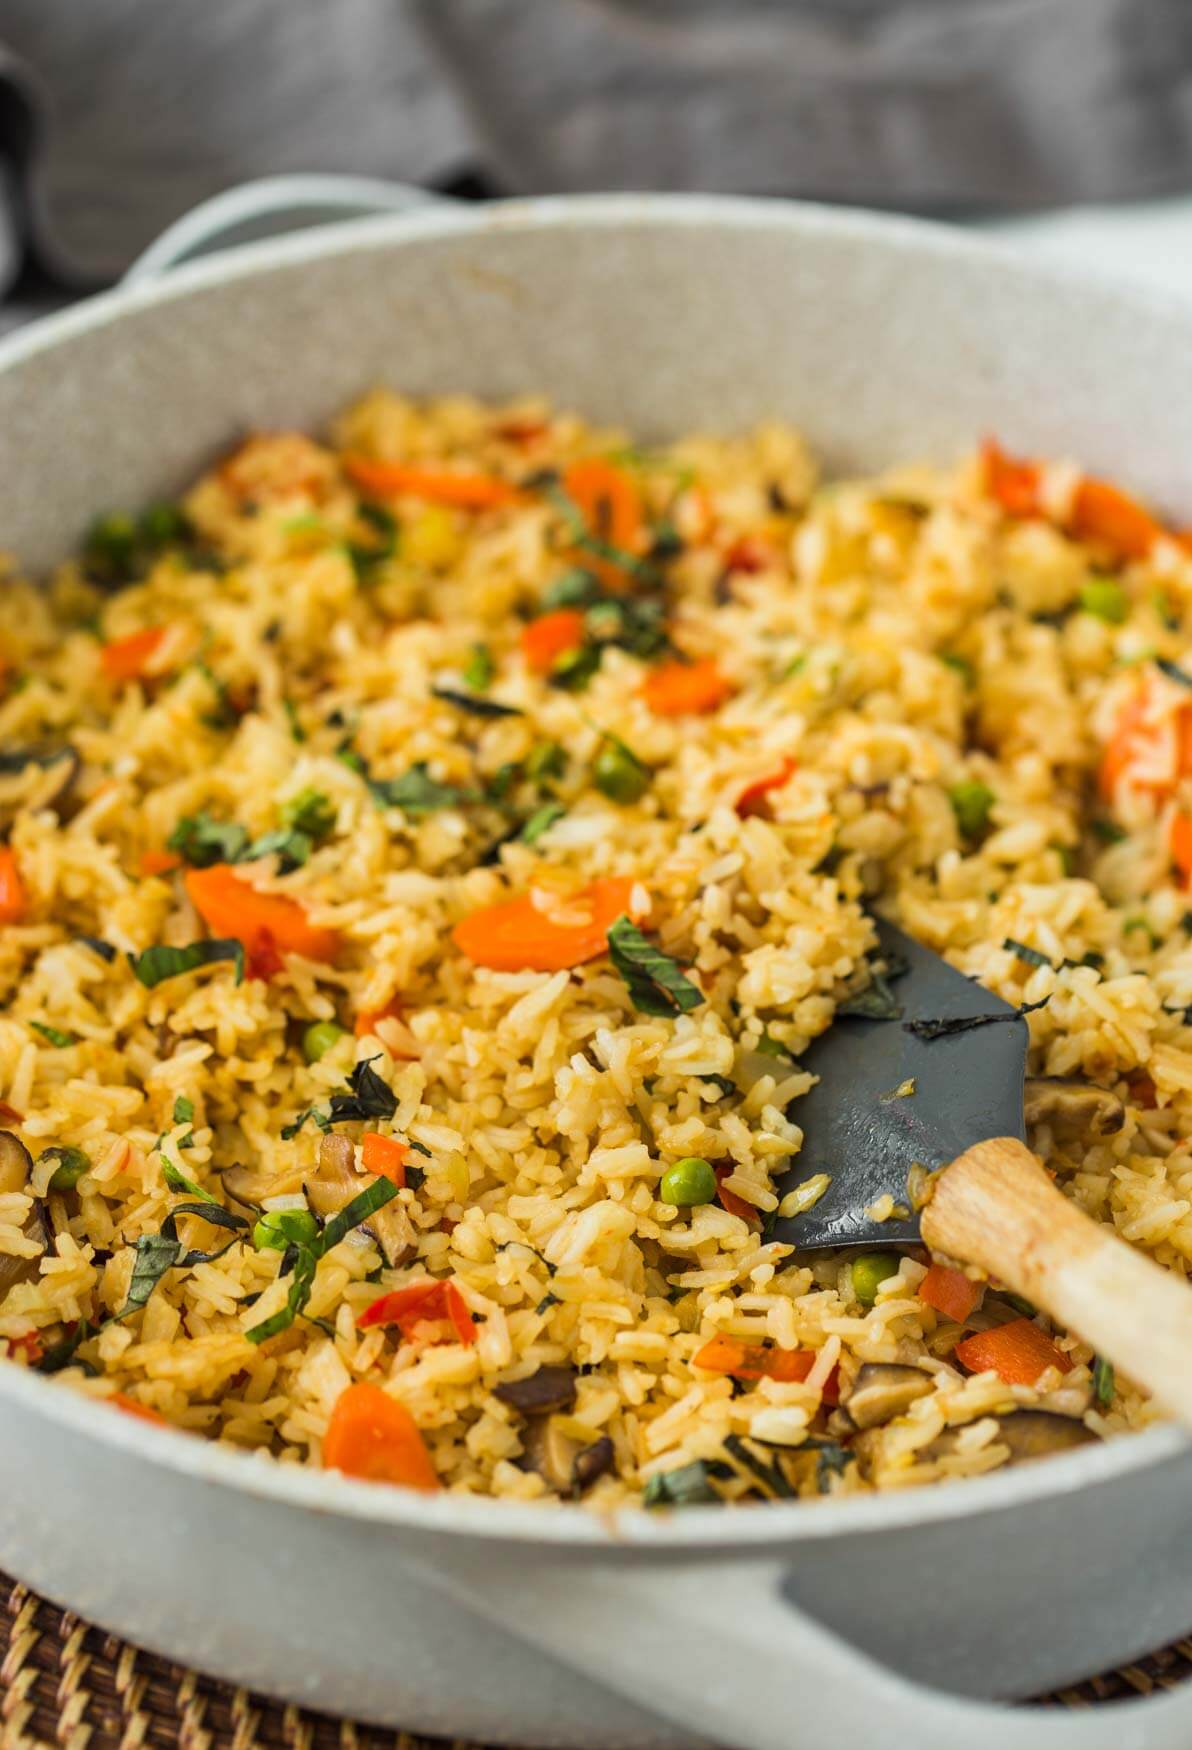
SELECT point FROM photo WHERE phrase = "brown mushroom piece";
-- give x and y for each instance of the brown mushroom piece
(1028, 1434)
(337, 1182)
(1071, 1107)
(883, 1390)
(16, 1167)
(562, 1463)
(250, 1187)
(548, 1388)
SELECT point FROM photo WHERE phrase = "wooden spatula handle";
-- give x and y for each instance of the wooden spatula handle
(995, 1207)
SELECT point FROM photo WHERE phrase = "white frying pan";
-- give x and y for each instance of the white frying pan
(873, 1621)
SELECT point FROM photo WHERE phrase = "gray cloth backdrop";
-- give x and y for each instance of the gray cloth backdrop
(117, 115)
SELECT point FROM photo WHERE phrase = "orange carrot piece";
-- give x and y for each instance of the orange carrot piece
(1014, 484)
(752, 1361)
(1104, 514)
(677, 689)
(1018, 1352)
(384, 1155)
(131, 1407)
(373, 1437)
(159, 862)
(30, 1344)
(519, 936)
(440, 485)
(10, 1114)
(421, 1303)
(610, 503)
(551, 636)
(1128, 733)
(951, 1292)
(1181, 845)
(264, 922)
(13, 904)
(729, 1200)
(126, 659)
(753, 798)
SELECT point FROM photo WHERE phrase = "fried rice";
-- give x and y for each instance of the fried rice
(324, 791)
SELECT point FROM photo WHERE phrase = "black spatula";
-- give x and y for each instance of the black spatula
(940, 1085)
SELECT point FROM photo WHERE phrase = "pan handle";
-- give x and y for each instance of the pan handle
(721, 1653)
(270, 207)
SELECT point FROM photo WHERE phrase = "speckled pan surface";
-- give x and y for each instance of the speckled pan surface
(882, 339)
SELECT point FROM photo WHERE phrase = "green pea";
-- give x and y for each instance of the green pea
(689, 1181)
(72, 1164)
(1105, 597)
(869, 1271)
(278, 1229)
(618, 773)
(320, 1038)
(971, 801)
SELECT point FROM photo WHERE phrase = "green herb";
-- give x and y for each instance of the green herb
(1103, 1381)
(770, 1476)
(365, 556)
(106, 950)
(771, 1047)
(119, 549)
(184, 1110)
(155, 1254)
(574, 669)
(178, 1181)
(1174, 672)
(546, 759)
(478, 707)
(1106, 599)
(1031, 956)
(832, 1460)
(203, 841)
(548, 1300)
(1166, 611)
(15, 759)
(306, 1256)
(690, 1486)
(723, 1085)
(297, 733)
(572, 589)
(1141, 923)
(541, 821)
(366, 1096)
(656, 982)
(480, 669)
(961, 664)
(54, 1035)
(72, 1164)
(416, 792)
(1067, 857)
(1020, 1304)
(579, 535)
(311, 812)
(153, 965)
(633, 623)
(971, 802)
(877, 1002)
(618, 773)
(291, 848)
(61, 1355)
(1109, 832)
(224, 715)
(942, 1029)
(525, 1246)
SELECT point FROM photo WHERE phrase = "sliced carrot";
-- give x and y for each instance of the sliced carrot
(730, 1201)
(520, 935)
(127, 659)
(158, 862)
(13, 903)
(951, 1292)
(1126, 738)
(421, 1303)
(753, 798)
(131, 1407)
(450, 486)
(752, 1361)
(1015, 485)
(1018, 1352)
(679, 689)
(551, 636)
(264, 922)
(366, 1020)
(30, 1343)
(748, 554)
(384, 1155)
(1102, 513)
(1181, 845)
(373, 1437)
(610, 503)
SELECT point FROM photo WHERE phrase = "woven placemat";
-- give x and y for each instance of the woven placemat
(66, 1684)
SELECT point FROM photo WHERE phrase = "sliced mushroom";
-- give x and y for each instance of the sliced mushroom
(1028, 1433)
(251, 1187)
(1072, 1107)
(592, 1462)
(36, 777)
(16, 1167)
(550, 1388)
(337, 1182)
(883, 1390)
(550, 1452)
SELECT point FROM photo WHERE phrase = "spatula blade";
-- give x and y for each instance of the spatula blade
(967, 1086)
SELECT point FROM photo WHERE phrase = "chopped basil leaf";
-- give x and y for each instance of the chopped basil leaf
(54, 1035)
(541, 821)
(61, 1355)
(877, 1002)
(368, 1096)
(971, 802)
(1174, 672)
(770, 1476)
(1020, 950)
(364, 557)
(546, 759)
(656, 982)
(960, 664)
(153, 965)
(477, 706)
(582, 537)
(480, 669)
(942, 1029)
(178, 1181)
(353, 1214)
(297, 733)
(689, 1486)
(832, 1460)
(572, 589)
(106, 950)
(155, 1254)
(771, 1047)
(304, 1259)
(723, 1085)
(1103, 1381)
(1109, 832)
(311, 812)
(202, 841)
(574, 669)
(291, 847)
(637, 625)
(416, 792)
(548, 1300)
(184, 1110)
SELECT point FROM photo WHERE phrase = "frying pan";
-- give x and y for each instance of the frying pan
(868, 1620)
